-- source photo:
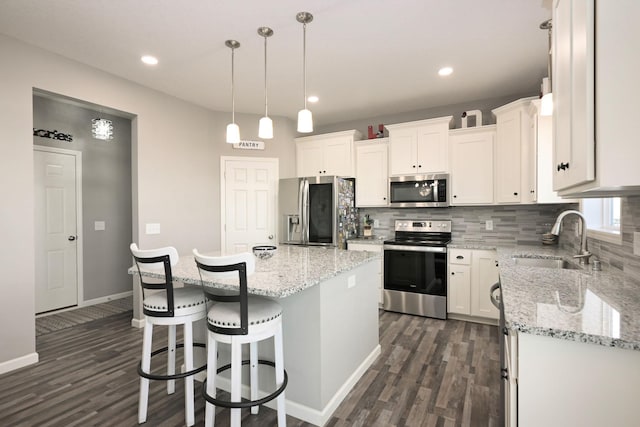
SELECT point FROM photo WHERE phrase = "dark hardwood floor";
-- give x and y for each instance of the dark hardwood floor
(431, 373)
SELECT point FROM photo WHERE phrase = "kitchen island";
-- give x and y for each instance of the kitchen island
(329, 299)
(573, 342)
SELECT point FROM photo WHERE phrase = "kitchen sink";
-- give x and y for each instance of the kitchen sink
(545, 262)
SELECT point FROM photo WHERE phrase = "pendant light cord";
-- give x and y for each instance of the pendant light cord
(265, 78)
(233, 97)
(304, 62)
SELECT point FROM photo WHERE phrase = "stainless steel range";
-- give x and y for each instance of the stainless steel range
(415, 268)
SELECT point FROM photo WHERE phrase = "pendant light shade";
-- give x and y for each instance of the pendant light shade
(265, 129)
(233, 131)
(305, 118)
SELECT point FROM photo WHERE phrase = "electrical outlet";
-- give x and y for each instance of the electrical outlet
(488, 224)
(152, 228)
(376, 223)
(636, 243)
(98, 225)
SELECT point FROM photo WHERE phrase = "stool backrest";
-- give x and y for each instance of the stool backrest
(158, 260)
(225, 267)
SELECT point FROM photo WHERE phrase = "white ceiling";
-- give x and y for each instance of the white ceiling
(365, 58)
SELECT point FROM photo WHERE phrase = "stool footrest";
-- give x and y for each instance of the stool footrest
(245, 403)
(151, 376)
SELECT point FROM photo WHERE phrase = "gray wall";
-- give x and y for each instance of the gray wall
(455, 110)
(106, 191)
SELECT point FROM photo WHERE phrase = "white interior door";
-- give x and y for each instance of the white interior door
(56, 258)
(249, 200)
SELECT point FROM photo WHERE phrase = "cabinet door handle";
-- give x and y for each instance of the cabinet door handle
(454, 196)
(459, 257)
(563, 166)
(419, 166)
(453, 274)
(515, 194)
(414, 166)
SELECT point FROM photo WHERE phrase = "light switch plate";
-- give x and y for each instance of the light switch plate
(351, 282)
(489, 225)
(636, 243)
(152, 228)
(98, 225)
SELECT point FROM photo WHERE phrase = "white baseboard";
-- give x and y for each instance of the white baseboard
(137, 323)
(303, 412)
(19, 362)
(108, 298)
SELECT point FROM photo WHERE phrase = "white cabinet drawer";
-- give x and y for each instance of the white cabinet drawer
(460, 256)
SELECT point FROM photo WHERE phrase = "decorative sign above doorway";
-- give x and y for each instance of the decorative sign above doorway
(249, 145)
(53, 134)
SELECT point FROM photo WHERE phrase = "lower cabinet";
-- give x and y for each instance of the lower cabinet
(370, 247)
(559, 382)
(471, 274)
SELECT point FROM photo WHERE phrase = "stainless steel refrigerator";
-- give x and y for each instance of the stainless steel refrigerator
(317, 211)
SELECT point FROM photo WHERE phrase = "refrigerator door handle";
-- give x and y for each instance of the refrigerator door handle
(305, 213)
(300, 210)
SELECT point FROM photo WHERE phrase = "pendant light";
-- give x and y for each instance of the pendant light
(233, 131)
(546, 103)
(305, 119)
(265, 129)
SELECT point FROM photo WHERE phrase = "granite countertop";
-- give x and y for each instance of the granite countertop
(371, 240)
(290, 270)
(601, 307)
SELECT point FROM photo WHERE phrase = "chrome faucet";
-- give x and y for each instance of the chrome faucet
(584, 254)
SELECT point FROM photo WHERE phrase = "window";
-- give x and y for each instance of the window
(603, 219)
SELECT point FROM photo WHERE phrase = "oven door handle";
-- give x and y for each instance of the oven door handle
(436, 249)
(495, 299)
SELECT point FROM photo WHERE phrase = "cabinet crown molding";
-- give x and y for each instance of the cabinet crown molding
(518, 103)
(462, 131)
(446, 119)
(356, 134)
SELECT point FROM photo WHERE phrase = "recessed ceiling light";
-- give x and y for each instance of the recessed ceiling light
(445, 71)
(313, 98)
(149, 60)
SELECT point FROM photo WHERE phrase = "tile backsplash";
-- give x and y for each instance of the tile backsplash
(522, 225)
(512, 225)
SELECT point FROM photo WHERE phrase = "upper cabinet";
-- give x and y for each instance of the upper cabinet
(472, 165)
(327, 154)
(372, 178)
(595, 91)
(419, 147)
(513, 155)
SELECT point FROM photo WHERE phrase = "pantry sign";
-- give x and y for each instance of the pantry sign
(249, 145)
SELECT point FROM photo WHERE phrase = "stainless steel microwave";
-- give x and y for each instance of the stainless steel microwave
(419, 191)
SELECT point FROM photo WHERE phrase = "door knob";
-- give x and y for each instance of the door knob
(270, 236)
(72, 238)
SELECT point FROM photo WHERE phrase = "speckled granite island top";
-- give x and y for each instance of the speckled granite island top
(572, 304)
(290, 270)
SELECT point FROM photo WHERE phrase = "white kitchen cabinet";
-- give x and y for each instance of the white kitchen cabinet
(471, 173)
(541, 153)
(595, 94)
(371, 247)
(471, 274)
(576, 383)
(327, 154)
(484, 273)
(372, 177)
(459, 284)
(512, 153)
(419, 147)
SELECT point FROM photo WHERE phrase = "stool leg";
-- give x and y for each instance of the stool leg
(253, 359)
(212, 367)
(188, 381)
(236, 380)
(277, 342)
(171, 358)
(146, 367)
